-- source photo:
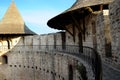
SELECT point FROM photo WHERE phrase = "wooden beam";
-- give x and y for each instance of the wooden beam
(84, 27)
(65, 29)
(77, 25)
(68, 31)
(101, 7)
(73, 32)
(74, 20)
(81, 30)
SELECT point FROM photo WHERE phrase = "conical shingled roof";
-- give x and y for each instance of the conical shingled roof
(12, 22)
(86, 3)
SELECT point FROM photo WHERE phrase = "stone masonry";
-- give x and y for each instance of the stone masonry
(33, 58)
(29, 61)
(115, 30)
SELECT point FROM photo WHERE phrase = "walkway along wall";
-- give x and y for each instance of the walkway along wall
(29, 61)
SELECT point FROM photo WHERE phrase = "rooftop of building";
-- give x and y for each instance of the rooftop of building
(13, 23)
(78, 9)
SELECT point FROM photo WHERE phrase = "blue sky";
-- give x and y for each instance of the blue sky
(36, 13)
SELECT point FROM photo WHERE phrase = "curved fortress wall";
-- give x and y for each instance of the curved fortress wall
(29, 61)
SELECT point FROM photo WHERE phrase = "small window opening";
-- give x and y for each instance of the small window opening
(4, 59)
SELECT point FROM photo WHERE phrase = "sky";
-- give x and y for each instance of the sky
(36, 13)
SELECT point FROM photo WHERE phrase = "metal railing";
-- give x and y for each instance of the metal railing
(88, 54)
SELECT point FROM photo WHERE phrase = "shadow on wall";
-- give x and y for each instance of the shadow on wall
(70, 72)
(82, 72)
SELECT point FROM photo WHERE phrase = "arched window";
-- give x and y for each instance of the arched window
(4, 59)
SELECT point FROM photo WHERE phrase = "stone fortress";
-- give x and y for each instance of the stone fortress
(87, 48)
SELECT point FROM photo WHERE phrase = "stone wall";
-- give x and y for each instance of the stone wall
(115, 30)
(108, 33)
(103, 33)
(87, 39)
(27, 61)
(28, 57)
(38, 66)
(100, 34)
(90, 26)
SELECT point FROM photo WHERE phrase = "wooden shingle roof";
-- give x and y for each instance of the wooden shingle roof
(13, 23)
(59, 21)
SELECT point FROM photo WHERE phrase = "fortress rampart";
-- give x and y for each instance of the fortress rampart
(66, 55)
